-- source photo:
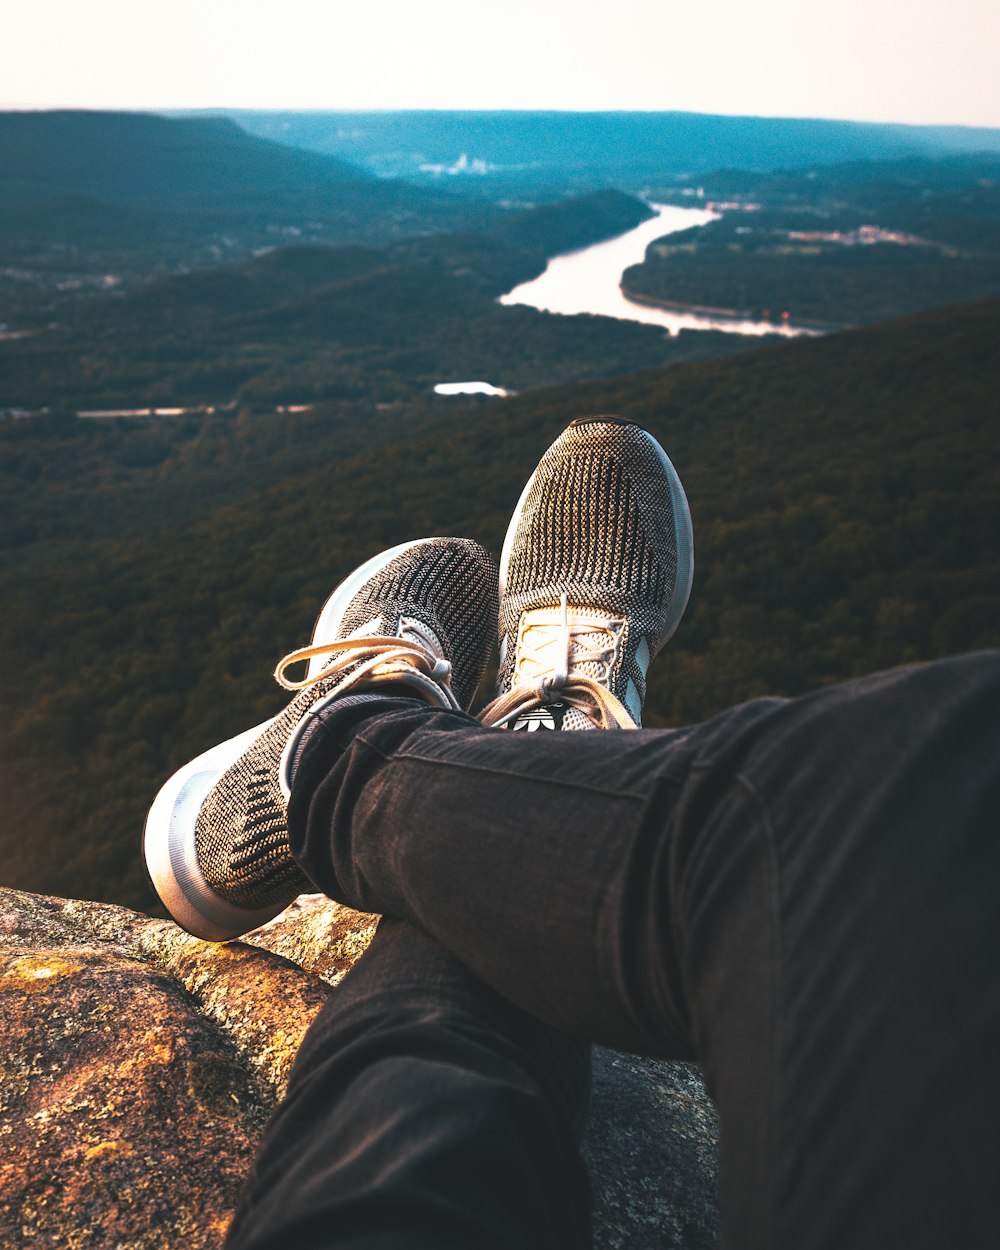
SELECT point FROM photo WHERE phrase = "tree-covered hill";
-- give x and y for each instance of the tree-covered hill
(130, 194)
(139, 156)
(845, 494)
(300, 325)
(770, 273)
(842, 244)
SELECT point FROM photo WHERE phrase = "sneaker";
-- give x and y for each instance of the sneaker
(419, 618)
(595, 575)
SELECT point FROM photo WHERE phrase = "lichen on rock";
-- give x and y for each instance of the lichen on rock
(138, 1067)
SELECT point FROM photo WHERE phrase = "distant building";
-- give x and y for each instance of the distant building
(864, 236)
(731, 206)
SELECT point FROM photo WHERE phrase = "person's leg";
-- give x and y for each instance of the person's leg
(423, 1111)
(800, 893)
(389, 1093)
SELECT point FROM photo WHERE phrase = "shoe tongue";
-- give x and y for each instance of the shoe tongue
(593, 630)
(598, 639)
(406, 627)
(594, 635)
(575, 720)
(416, 631)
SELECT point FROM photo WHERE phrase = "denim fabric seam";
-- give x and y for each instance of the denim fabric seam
(650, 1023)
(506, 772)
(763, 823)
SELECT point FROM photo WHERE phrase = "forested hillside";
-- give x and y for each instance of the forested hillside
(298, 325)
(845, 493)
(842, 244)
(89, 195)
(139, 156)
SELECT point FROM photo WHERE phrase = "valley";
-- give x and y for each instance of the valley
(263, 417)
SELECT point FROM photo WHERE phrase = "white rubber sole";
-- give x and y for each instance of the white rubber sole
(169, 834)
(683, 538)
(168, 846)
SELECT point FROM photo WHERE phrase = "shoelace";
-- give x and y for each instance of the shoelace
(382, 659)
(556, 653)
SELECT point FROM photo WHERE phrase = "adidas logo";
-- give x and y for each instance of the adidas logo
(548, 717)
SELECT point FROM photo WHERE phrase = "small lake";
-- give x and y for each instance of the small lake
(469, 388)
(588, 281)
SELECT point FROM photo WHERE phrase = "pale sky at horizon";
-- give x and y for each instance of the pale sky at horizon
(872, 60)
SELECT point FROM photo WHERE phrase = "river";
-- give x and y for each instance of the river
(588, 281)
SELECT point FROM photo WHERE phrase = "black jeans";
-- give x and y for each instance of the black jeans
(804, 895)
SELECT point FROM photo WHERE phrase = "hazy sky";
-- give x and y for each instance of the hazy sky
(888, 60)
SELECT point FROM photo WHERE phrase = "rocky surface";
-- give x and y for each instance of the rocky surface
(138, 1066)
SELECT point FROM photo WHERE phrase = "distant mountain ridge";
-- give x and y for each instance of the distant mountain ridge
(596, 148)
(138, 193)
(139, 156)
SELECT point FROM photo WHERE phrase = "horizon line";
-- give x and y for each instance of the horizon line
(222, 109)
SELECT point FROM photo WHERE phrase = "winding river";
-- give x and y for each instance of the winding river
(588, 281)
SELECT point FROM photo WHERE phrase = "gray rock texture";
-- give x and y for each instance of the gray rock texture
(138, 1066)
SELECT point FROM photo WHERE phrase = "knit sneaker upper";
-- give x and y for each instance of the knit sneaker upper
(438, 596)
(451, 588)
(604, 529)
(241, 834)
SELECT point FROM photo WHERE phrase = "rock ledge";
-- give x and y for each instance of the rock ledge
(140, 1065)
